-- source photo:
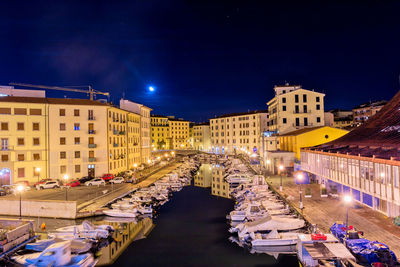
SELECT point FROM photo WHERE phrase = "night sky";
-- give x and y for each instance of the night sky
(204, 58)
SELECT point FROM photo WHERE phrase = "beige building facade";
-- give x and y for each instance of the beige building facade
(238, 133)
(295, 108)
(202, 137)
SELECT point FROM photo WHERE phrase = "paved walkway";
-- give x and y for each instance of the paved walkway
(96, 205)
(325, 211)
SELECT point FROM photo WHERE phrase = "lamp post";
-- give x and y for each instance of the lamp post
(347, 200)
(66, 187)
(20, 188)
(281, 168)
(299, 178)
(37, 170)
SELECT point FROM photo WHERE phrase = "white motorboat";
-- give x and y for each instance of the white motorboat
(57, 254)
(83, 231)
(274, 238)
(121, 213)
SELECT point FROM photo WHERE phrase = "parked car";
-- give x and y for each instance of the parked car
(97, 181)
(84, 179)
(129, 173)
(48, 184)
(107, 176)
(8, 188)
(117, 180)
(73, 183)
(131, 179)
(3, 192)
(42, 181)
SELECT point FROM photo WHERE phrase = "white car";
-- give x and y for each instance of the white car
(117, 180)
(48, 184)
(129, 173)
(97, 181)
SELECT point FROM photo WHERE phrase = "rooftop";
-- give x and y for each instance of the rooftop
(241, 114)
(378, 137)
(41, 100)
(372, 104)
(301, 131)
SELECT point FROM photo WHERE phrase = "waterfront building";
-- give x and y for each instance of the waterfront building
(169, 133)
(24, 140)
(364, 111)
(364, 163)
(342, 118)
(295, 108)
(287, 150)
(201, 137)
(238, 132)
(160, 133)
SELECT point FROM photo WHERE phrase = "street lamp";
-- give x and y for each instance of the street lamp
(37, 170)
(66, 187)
(20, 188)
(299, 180)
(172, 153)
(347, 200)
(281, 168)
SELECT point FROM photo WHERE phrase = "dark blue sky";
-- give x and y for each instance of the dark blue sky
(205, 58)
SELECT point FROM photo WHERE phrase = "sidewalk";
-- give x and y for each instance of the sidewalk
(325, 211)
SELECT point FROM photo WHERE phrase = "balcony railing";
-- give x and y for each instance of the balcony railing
(301, 112)
(122, 132)
(93, 159)
(115, 132)
(92, 145)
(115, 145)
(302, 125)
(92, 132)
(91, 118)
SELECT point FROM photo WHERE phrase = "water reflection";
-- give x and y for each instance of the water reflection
(212, 176)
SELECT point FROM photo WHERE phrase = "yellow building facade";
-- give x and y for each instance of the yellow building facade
(201, 137)
(308, 137)
(160, 134)
(24, 140)
(133, 135)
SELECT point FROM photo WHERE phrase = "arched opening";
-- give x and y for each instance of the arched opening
(5, 176)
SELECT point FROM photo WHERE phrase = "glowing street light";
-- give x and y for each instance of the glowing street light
(20, 188)
(347, 200)
(37, 171)
(268, 161)
(281, 168)
(66, 177)
(172, 153)
(299, 178)
(166, 155)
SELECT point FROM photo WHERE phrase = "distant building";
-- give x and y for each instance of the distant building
(364, 163)
(238, 132)
(343, 119)
(329, 119)
(169, 133)
(295, 108)
(202, 137)
(364, 111)
(11, 91)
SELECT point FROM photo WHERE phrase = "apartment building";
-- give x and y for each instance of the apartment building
(24, 139)
(364, 111)
(145, 127)
(179, 129)
(201, 137)
(295, 108)
(133, 141)
(238, 132)
(160, 133)
(364, 163)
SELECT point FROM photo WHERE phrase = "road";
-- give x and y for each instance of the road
(83, 194)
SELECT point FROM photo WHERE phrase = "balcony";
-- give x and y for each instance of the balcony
(92, 159)
(302, 125)
(115, 145)
(91, 118)
(122, 132)
(6, 148)
(302, 112)
(91, 132)
(92, 145)
(115, 132)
